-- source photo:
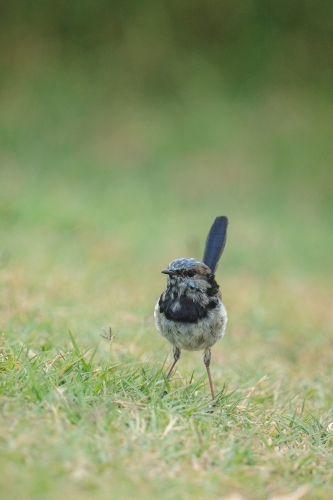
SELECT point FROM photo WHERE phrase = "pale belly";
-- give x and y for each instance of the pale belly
(193, 336)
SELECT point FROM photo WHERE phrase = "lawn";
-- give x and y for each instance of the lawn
(95, 200)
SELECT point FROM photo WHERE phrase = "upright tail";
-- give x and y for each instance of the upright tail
(215, 242)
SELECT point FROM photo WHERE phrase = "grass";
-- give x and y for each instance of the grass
(94, 202)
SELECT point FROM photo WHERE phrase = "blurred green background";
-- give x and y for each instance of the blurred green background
(126, 127)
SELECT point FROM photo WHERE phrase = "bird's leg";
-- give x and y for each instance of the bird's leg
(176, 356)
(207, 357)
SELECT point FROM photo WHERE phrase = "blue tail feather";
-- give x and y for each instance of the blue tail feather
(215, 242)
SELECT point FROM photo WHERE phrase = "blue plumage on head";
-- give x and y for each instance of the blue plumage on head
(183, 263)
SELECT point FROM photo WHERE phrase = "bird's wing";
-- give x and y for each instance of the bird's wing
(215, 242)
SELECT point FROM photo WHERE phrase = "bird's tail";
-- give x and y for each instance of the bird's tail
(215, 242)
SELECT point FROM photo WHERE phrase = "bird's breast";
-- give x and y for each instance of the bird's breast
(186, 309)
(190, 326)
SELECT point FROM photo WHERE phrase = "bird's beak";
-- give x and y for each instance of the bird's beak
(168, 271)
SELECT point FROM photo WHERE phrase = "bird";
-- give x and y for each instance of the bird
(190, 313)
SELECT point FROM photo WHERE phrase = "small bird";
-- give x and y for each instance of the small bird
(190, 313)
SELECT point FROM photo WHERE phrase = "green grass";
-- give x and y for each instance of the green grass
(95, 199)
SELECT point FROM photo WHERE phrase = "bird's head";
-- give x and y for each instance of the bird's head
(190, 276)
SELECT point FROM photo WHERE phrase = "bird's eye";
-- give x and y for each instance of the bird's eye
(190, 273)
